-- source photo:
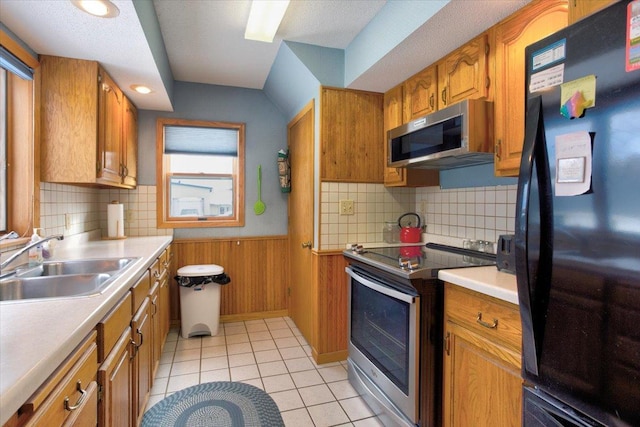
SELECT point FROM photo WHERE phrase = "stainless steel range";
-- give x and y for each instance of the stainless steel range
(395, 327)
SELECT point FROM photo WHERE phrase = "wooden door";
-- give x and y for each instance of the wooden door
(480, 388)
(301, 142)
(530, 24)
(464, 73)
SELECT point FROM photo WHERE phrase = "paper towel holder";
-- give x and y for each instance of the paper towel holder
(120, 218)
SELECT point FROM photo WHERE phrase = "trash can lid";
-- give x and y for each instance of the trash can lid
(200, 270)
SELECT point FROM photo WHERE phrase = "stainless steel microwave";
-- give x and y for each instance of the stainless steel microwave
(456, 136)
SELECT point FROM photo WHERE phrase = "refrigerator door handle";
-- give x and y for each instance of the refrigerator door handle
(533, 297)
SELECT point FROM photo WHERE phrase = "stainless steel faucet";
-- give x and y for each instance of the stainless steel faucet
(21, 251)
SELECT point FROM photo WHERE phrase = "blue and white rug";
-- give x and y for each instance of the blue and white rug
(223, 403)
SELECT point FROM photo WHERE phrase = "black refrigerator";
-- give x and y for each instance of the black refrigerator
(577, 237)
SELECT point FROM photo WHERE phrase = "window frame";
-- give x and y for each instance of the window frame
(23, 154)
(163, 177)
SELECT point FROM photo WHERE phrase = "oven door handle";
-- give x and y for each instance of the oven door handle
(380, 288)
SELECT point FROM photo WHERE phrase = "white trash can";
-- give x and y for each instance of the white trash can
(200, 299)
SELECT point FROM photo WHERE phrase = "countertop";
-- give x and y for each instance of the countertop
(486, 280)
(37, 335)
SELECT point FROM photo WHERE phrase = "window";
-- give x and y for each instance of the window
(19, 190)
(200, 176)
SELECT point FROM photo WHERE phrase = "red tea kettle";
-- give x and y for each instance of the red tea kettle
(410, 234)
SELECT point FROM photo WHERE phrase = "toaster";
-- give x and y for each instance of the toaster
(506, 254)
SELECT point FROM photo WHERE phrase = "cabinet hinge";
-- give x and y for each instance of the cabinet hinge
(487, 49)
(100, 392)
(488, 82)
(447, 343)
(289, 292)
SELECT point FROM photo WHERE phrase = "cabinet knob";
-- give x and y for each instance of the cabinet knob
(307, 244)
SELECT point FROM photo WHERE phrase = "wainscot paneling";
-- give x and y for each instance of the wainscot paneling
(258, 267)
(330, 343)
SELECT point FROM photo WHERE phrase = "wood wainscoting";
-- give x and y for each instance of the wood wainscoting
(258, 268)
(330, 299)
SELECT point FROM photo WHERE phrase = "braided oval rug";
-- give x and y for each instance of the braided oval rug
(222, 403)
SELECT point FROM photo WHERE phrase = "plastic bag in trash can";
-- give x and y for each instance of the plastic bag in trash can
(187, 281)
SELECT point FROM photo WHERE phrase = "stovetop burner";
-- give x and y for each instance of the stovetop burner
(420, 261)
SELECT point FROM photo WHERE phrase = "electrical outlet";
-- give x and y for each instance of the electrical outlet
(131, 215)
(67, 221)
(346, 207)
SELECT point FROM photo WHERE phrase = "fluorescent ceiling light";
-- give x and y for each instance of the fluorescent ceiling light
(264, 19)
(101, 8)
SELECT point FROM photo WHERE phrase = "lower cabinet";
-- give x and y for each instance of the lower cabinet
(142, 364)
(115, 376)
(482, 385)
(70, 395)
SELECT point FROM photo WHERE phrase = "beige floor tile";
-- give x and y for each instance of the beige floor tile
(242, 373)
(159, 386)
(356, 408)
(282, 333)
(293, 352)
(215, 375)
(327, 414)
(258, 326)
(188, 344)
(163, 371)
(213, 363)
(277, 325)
(297, 418)
(287, 342)
(368, 422)
(264, 345)
(287, 400)
(244, 347)
(299, 364)
(260, 336)
(183, 368)
(215, 351)
(242, 359)
(267, 356)
(182, 381)
(237, 339)
(333, 373)
(234, 330)
(268, 369)
(184, 355)
(214, 341)
(306, 378)
(342, 389)
(278, 383)
(316, 395)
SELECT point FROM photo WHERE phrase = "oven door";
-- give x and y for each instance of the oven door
(383, 344)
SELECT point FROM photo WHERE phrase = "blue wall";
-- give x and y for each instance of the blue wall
(473, 176)
(266, 133)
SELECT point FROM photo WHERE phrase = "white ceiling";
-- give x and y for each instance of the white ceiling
(204, 39)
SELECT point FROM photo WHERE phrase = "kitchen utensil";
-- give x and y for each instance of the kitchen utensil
(259, 207)
(410, 234)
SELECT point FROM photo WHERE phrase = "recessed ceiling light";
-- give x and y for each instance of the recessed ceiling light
(264, 19)
(141, 89)
(101, 8)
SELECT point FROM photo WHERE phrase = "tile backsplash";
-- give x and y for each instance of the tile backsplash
(481, 213)
(71, 210)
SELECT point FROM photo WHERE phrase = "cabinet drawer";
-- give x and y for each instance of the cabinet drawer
(70, 393)
(489, 316)
(139, 291)
(110, 328)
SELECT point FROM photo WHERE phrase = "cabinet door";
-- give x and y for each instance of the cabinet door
(579, 9)
(129, 144)
(464, 74)
(351, 136)
(142, 366)
(165, 294)
(480, 388)
(530, 24)
(109, 131)
(395, 107)
(420, 94)
(115, 376)
(156, 328)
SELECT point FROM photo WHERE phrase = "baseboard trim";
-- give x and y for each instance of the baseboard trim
(253, 316)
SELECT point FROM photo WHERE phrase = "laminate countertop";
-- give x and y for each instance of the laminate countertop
(485, 280)
(37, 335)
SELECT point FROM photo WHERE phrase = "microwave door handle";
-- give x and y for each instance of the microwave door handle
(532, 296)
(381, 289)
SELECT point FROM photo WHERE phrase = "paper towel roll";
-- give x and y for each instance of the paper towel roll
(115, 220)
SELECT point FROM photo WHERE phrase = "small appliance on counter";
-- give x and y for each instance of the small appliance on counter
(409, 234)
(506, 254)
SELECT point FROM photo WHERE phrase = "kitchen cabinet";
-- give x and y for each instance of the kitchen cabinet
(129, 167)
(142, 363)
(420, 94)
(464, 73)
(351, 132)
(481, 362)
(579, 9)
(69, 395)
(115, 375)
(530, 24)
(82, 112)
(395, 108)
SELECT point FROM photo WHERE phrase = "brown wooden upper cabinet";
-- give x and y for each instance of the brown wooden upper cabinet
(351, 135)
(464, 73)
(83, 138)
(396, 106)
(512, 35)
(578, 9)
